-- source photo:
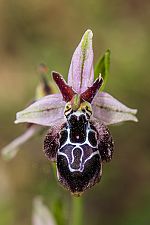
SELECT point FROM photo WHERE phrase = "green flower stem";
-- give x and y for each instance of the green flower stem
(77, 211)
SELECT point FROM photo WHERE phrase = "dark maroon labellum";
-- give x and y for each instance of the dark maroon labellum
(79, 149)
(80, 145)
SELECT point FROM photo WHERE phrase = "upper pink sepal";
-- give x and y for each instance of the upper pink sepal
(81, 73)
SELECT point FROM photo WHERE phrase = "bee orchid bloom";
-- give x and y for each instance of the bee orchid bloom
(78, 140)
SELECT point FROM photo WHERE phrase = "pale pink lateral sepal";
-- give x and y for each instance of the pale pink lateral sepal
(47, 111)
(81, 73)
(110, 111)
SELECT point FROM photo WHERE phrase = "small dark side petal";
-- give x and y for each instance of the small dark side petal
(66, 91)
(90, 93)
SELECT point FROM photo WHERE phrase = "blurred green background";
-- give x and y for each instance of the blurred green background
(37, 31)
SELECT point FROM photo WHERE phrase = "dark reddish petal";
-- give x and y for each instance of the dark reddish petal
(89, 94)
(66, 91)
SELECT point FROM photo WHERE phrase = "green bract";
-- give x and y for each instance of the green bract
(102, 67)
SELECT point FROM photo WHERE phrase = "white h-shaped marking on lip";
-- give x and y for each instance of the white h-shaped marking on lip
(80, 169)
(78, 145)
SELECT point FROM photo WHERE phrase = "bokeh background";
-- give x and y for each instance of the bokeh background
(48, 31)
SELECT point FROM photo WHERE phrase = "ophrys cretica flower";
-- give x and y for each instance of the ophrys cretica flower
(78, 140)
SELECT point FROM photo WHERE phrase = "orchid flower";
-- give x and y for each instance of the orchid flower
(79, 140)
